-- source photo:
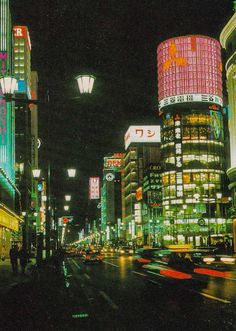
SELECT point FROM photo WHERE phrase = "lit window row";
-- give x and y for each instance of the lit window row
(194, 178)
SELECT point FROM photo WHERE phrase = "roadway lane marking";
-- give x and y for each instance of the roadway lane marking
(228, 278)
(153, 282)
(154, 273)
(76, 264)
(87, 276)
(139, 273)
(114, 265)
(210, 296)
(108, 300)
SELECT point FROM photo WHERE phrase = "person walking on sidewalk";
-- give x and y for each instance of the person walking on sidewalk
(23, 256)
(14, 259)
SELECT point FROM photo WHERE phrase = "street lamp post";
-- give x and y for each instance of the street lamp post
(8, 86)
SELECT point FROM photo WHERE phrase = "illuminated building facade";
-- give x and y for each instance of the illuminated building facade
(26, 119)
(22, 60)
(9, 221)
(152, 221)
(142, 144)
(111, 203)
(227, 39)
(193, 154)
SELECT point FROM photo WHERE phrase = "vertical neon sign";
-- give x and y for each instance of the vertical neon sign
(7, 121)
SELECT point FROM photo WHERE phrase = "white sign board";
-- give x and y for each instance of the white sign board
(94, 188)
(143, 134)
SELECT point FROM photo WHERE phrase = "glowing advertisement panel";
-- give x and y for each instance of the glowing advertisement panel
(112, 163)
(94, 188)
(143, 134)
(22, 32)
(190, 67)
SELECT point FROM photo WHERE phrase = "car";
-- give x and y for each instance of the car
(217, 261)
(125, 250)
(180, 259)
(108, 250)
(92, 257)
(144, 256)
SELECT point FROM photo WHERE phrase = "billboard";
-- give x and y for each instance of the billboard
(94, 188)
(143, 134)
(22, 32)
(189, 67)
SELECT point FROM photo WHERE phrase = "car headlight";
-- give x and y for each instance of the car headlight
(208, 259)
(227, 259)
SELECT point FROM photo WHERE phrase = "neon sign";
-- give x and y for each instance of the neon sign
(3, 59)
(189, 65)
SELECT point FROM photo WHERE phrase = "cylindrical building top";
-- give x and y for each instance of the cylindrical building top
(189, 67)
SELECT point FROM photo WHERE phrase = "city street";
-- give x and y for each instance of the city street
(118, 165)
(114, 295)
(120, 297)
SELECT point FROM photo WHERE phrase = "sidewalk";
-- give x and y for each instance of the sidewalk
(36, 304)
(8, 280)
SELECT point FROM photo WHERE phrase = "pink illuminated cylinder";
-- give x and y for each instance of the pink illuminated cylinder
(189, 67)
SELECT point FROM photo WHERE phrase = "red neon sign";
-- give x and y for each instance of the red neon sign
(189, 65)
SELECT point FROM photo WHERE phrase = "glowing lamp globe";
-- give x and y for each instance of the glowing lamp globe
(85, 83)
(68, 197)
(71, 172)
(8, 85)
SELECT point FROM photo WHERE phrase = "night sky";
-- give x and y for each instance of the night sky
(116, 41)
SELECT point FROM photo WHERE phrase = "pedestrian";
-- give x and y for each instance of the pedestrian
(23, 256)
(228, 247)
(220, 247)
(14, 258)
(3, 255)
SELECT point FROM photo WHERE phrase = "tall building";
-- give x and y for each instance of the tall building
(190, 100)
(23, 120)
(152, 220)
(227, 39)
(22, 61)
(142, 145)
(9, 221)
(111, 203)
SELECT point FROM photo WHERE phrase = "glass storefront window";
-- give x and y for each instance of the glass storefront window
(196, 178)
(165, 180)
(186, 178)
(168, 121)
(214, 178)
(186, 133)
(204, 177)
(204, 133)
(172, 178)
(168, 135)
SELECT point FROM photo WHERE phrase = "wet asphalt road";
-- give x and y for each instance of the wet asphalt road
(115, 295)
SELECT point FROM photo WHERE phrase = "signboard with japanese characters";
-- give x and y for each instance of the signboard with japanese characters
(114, 162)
(94, 188)
(143, 134)
(178, 155)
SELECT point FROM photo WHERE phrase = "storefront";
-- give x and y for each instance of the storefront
(9, 227)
